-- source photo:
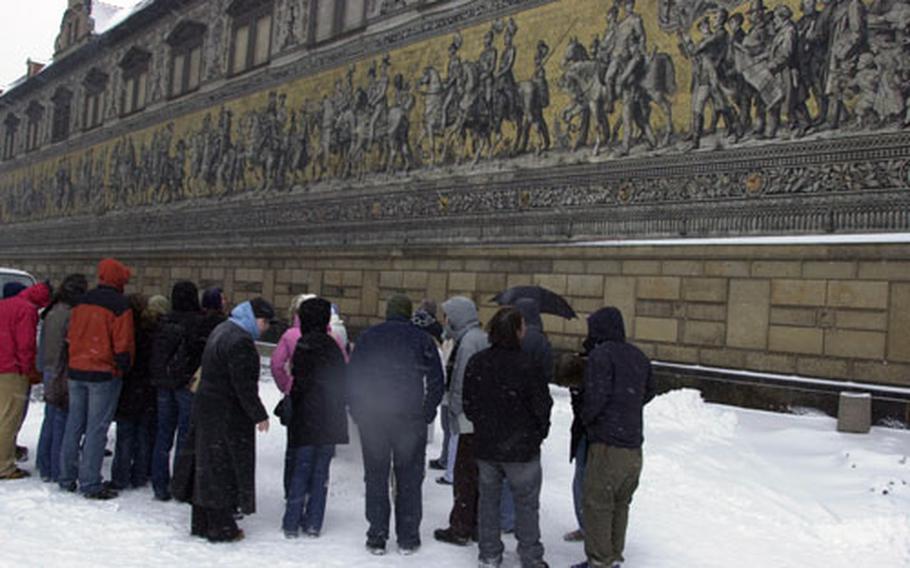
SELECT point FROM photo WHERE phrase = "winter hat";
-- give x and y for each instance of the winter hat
(11, 289)
(428, 305)
(314, 315)
(185, 297)
(158, 305)
(113, 273)
(262, 309)
(398, 305)
(425, 321)
(211, 299)
(72, 288)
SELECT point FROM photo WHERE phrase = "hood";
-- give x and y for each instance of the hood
(462, 315)
(530, 311)
(211, 299)
(185, 297)
(113, 273)
(243, 317)
(38, 295)
(316, 314)
(606, 324)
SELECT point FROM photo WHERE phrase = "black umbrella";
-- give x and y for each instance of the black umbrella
(548, 301)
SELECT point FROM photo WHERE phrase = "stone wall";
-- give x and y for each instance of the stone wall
(836, 311)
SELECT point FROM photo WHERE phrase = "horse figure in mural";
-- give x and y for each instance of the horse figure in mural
(436, 121)
(334, 139)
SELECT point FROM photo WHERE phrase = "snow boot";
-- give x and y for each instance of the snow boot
(376, 546)
(449, 535)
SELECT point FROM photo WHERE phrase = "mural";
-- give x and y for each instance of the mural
(570, 80)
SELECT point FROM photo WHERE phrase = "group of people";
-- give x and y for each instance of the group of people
(182, 370)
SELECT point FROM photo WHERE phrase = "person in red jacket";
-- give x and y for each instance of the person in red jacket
(18, 332)
(101, 350)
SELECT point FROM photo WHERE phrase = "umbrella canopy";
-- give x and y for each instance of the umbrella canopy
(549, 302)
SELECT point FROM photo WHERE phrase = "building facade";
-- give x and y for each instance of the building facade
(358, 147)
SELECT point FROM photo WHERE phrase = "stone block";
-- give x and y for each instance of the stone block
(641, 267)
(855, 344)
(882, 372)
(858, 295)
(513, 280)
(181, 273)
(414, 280)
(828, 270)
(568, 266)
(885, 270)
(588, 286)
(391, 279)
(577, 326)
(899, 323)
(332, 278)
(246, 275)
(556, 282)
(478, 264)
(724, 358)
(805, 317)
(824, 367)
(798, 292)
(747, 314)
(659, 288)
(776, 269)
(682, 268)
(462, 281)
(553, 324)
(705, 289)
(437, 286)
(677, 353)
(491, 283)
(796, 340)
(352, 278)
(865, 319)
(619, 291)
(451, 264)
(654, 308)
(537, 266)
(282, 276)
(704, 333)
(664, 330)
(587, 305)
(854, 412)
(706, 312)
(770, 363)
(727, 268)
(603, 267)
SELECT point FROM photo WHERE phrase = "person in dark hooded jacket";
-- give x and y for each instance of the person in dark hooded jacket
(176, 354)
(318, 422)
(618, 383)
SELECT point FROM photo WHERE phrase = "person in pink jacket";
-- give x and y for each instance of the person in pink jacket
(284, 352)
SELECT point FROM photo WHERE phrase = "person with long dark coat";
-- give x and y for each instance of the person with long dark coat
(219, 475)
(318, 422)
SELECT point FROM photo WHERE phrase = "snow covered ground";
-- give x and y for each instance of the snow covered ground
(721, 487)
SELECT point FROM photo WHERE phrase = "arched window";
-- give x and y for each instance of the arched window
(11, 125)
(186, 57)
(251, 34)
(63, 108)
(135, 66)
(95, 85)
(35, 113)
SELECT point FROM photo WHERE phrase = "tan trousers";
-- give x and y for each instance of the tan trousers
(13, 390)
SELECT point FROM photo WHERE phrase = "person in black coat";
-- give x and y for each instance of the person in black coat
(136, 409)
(507, 444)
(618, 383)
(318, 422)
(176, 354)
(219, 474)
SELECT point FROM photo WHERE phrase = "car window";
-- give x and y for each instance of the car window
(20, 278)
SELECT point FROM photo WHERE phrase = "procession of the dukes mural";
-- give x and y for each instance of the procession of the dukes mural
(562, 82)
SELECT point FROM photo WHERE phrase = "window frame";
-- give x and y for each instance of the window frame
(63, 114)
(248, 13)
(35, 114)
(11, 126)
(186, 39)
(95, 85)
(338, 19)
(135, 67)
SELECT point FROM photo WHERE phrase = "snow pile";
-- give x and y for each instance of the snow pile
(686, 412)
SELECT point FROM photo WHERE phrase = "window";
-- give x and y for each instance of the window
(35, 113)
(135, 66)
(251, 37)
(331, 18)
(60, 128)
(95, 84)
(186, 57)
(9, 137)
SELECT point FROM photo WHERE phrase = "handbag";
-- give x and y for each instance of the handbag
(283, 410)
(57, 392)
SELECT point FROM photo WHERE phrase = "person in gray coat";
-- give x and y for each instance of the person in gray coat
(463, 325)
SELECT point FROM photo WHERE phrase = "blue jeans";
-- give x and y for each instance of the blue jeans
(308, 488)
(133, 453)
(443, 458)
(581, 459)
(399, 444)
(91, 410)
(524, 479)
(51, 438)
(174, 406)
(507, 508)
